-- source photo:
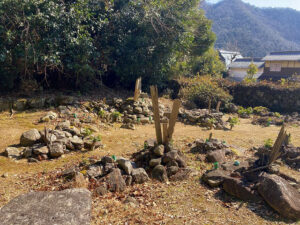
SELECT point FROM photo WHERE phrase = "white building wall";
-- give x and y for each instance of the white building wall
(239, 74)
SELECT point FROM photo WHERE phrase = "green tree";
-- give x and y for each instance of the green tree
(251, 71)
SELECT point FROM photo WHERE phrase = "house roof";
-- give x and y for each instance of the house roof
(229, 56)
(283, 56)
(245, 62)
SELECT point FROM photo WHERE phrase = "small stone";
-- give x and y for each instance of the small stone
(56, 149)
(216, 156)
(115, 181)
(27, 153)
(101, 190)
(172, 170)
(12, 152)
(94, 171)
(125, 165)
(80, 181)
(33, 160)
(5, 175)
(159, 150)
(41, 150)
(154, 162)
(107, 159)
(139, 176)
(160, 173)
(169, 156)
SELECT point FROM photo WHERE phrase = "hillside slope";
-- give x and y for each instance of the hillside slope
(254, 31)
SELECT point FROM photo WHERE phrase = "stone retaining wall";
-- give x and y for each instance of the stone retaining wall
(275, 98)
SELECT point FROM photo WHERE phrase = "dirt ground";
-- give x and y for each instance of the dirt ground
(185, 202)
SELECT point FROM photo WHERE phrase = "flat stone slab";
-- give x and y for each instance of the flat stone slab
(68, 207)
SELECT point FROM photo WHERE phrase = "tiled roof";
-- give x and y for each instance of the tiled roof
(245, 62)
(283, 56)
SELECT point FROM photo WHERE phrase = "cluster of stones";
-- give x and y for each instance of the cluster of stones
(291, 155)
(214, 150)
(243, 181)
(109, 174)
(162, 162)
(35, 103)
(48, 143)
(136, 112)
(203, 118)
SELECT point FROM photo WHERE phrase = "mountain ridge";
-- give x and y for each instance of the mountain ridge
(251, 30)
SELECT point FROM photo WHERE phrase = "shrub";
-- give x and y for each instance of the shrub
(242, 111)
(233, 121)
(277, 114)
(260, 109)
(268, 143)
(202, 88)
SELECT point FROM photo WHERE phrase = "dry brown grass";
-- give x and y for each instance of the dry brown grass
(186, 202)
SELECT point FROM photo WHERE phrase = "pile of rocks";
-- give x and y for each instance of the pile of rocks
(290, 156)
(203, 118)
(293, 118)
(267, 121)
(251, 180)
(136, 112)
(108, 174)
(162, 162)
(214, 150)
(255, 186)
(42, 145)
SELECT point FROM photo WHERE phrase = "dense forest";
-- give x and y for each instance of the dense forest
(254, 31)
(80, 44)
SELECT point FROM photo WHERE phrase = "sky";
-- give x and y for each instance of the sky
(295, 4)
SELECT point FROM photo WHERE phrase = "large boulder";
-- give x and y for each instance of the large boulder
(68, 207)
(30, 137)
(280, 195)
(115, 181)
(239, 189)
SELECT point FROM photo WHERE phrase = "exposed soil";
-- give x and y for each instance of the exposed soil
(185, 202)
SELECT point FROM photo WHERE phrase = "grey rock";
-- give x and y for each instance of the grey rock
(160, 173)
(30, 137)
(138, 110)
(64, 125)
(239, 189)
(155, 162)
(107, 159)
(159, 150)
(33, 160)
(216, 156)
(68, 207)
(169, 156)
(139, 176)
(101, 190)
(56, 149)
(125, 165)
(94, 171)
(280, 195)
(41, 150)
(215, 178)
(115, 181)
(172, 170)
(181, 175)
(12, 152)
(77, 142)
(27, 153)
